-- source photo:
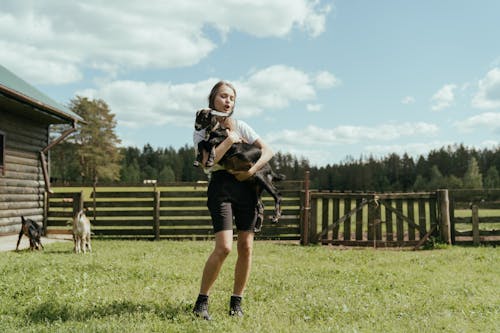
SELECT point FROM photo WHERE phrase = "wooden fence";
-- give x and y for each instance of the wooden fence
(475, 216)
(177, 211)
(377, 219)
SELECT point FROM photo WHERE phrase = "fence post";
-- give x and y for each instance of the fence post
(475, 225)
(156, 214)
(444, 222)
(45, 211)
(304, 235)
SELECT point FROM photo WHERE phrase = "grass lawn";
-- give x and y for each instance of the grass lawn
(141, 286)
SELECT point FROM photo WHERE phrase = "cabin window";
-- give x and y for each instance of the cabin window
(2, 153)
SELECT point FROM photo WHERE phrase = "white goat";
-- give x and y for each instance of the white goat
(81, 233)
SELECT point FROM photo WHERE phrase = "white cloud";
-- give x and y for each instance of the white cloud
(481, 122)
(408, 100)
(488, 95)
(326, 80)
(140, 104)
(56, 41)
(315, 136)
(314, 107)
(443, 98)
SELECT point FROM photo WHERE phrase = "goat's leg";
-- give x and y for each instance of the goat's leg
(82, 244)
(19, 239)
(260, 215)
(273, 191)
(88, 243)
(77, 244)
(211, 158)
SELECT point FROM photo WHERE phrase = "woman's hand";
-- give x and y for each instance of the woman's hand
(242, 175)
(233, 136)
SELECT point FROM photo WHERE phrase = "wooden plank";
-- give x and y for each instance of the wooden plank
(184, 194)
(475, 225)
(336, 217)
(422, 219)
(347, 221)
(469, 233)
(359, 220)
(123, 194)
(388, 221)
(411, 218)
(433, 215)
(324, 218)
(399, 220)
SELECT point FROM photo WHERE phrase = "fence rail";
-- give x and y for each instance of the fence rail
(174, 212)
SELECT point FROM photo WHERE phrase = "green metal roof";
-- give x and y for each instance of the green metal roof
(15, 87)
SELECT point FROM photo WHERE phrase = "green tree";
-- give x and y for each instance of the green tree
(492, 179)
(166, 174)
(97, 142)
(436, 180)
(473, 177)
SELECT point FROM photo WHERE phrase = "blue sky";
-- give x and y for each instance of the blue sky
(322, 80)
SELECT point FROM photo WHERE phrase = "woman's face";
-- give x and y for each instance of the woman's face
(224, 100)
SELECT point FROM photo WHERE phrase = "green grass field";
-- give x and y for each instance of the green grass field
(140, 286)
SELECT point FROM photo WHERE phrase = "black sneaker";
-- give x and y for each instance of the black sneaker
(201, 308)
(235, 307)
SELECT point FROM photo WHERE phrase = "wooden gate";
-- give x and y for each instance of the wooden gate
(373, 219)
(475, 216)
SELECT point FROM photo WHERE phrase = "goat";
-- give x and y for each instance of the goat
(33, 231)
(81, 233)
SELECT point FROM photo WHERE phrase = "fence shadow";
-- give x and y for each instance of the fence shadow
(53, 311)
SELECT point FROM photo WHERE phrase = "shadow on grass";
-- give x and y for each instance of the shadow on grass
(48, 312)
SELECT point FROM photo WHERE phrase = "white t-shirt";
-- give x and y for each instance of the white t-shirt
(241, 128)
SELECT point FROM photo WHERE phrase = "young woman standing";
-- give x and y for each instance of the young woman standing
(229, 196)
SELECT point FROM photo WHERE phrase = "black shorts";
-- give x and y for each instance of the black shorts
(228, 198)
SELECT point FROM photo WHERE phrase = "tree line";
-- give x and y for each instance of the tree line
(92, 155)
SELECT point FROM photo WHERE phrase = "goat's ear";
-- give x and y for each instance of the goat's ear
(198, 112)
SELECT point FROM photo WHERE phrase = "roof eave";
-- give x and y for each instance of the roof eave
(36, 103)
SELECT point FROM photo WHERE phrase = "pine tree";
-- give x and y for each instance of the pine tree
(492, 179)
(473, 177)
(97, 142)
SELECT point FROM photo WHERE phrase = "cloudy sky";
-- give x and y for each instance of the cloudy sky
(322, 80)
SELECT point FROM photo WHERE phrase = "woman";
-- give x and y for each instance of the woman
(228, 196)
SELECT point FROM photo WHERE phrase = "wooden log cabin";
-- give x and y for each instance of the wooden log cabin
(25, 118)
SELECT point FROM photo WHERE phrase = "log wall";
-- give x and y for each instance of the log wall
(21, 184)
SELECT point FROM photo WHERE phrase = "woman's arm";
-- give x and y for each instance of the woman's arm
(265, 157)
(223, 147)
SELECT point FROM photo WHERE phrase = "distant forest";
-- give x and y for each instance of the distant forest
(449, 167)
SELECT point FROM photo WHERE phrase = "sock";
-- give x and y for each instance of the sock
(236, 298)
(202, 298)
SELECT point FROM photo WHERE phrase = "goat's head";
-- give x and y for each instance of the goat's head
(204, 120)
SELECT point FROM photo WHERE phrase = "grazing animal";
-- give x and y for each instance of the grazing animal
(240, 157)
(33, 231)
(81, 233)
